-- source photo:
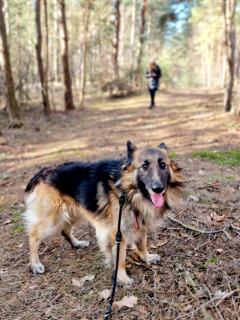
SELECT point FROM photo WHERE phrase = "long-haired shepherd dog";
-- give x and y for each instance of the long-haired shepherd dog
(59, 197)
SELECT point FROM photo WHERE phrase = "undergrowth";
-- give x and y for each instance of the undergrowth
(231, 157)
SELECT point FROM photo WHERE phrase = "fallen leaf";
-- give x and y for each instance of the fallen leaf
(220, 294)
(142, 310)
(217, 218)
(193, 197)
(80, 282)
(105, 294)
(187, 308)
(128, 302)
(7, 221)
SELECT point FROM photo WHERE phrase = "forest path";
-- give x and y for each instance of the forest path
(185, 121)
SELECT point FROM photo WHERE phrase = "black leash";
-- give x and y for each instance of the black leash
(118, 241)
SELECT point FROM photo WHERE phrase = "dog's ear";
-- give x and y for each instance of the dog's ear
(163, 146)
(131, 148)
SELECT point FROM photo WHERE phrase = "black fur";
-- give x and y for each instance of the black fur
(41, 175)
(79, 180)
(143, 189)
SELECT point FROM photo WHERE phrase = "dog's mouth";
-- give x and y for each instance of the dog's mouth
(157, 199)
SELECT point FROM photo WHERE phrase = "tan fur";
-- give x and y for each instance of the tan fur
(50, 213)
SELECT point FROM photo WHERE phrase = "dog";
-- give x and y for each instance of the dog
(61, 196)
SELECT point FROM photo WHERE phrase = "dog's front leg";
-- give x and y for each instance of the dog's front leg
(142, 251)
(122, 277)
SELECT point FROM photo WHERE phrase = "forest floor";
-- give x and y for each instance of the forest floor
(199, 273)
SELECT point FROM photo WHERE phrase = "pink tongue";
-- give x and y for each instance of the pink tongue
(157, 200)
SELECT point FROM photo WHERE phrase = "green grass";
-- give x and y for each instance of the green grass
(211, 261)
(173, 155)
(17, 220)
(231, 158)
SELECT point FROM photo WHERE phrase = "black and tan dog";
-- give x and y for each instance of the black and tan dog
(59, 197)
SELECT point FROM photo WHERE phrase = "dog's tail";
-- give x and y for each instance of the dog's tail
(40, 176)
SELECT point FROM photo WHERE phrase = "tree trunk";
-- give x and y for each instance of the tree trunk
(141, 41)
(41, 71)
(12, 106)
(69, 105)
(229, 9)
(87, 10)
(56, 45)
(237, 82)
(46, 69)
(133, 33)
(116, 22)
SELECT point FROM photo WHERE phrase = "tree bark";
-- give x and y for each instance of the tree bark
(56, 44)
(41, 71)
(133, 33)
(115, 42)
(88, 4)
(12, 106)
(141, 41)
(69, 105)
(228, 10)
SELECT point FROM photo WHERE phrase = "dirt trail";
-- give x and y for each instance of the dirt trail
(185, 121)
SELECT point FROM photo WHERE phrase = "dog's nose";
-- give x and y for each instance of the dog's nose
(157, 188)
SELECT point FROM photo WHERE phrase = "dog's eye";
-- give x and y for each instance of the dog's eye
(162, 165)
(145, 166)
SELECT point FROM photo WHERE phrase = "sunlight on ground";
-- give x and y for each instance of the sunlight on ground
(185, 122)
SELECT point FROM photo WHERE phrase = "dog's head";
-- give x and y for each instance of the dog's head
(156, 176)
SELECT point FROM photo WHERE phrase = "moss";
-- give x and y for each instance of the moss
(231, 157)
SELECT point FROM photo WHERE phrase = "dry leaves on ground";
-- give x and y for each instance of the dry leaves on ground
(105, 294)
(128, 302)
(80, 282)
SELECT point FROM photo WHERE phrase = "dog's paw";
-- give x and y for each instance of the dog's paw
(124, 280)
(38, 268)
(80, 244)
(153, 258)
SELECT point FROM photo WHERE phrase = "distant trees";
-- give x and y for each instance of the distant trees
(116, 33)
(68, 96)
(43, 71)
(82, 46)
(12, 105)
(142, 38)
(133, 33)
(85, 46)
(229, 10)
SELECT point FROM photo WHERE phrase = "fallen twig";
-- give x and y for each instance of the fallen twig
(213, 302)
(227, 234)
(192, 284)
(180, 212)
(194, 228)
(216, 301)
(234, 228)
(226, 296)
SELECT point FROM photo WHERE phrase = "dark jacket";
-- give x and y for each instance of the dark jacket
(153, 78)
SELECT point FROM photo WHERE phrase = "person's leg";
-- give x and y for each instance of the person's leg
(152, 95)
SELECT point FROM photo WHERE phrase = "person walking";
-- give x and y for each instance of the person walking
(153, 75)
